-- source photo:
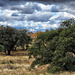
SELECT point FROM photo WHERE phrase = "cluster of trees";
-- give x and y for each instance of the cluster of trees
(56, 47)
(10, 38)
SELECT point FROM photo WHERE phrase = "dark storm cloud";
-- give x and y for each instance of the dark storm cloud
(2, 3)
(27, 8)
(47, 1)
(71, 5)
(42, 0)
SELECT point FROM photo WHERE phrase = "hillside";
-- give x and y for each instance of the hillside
(34, 35)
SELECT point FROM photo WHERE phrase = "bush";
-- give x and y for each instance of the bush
(1, 48)
(11, 62)
(4, 62)
(57, 48)
(53, 68)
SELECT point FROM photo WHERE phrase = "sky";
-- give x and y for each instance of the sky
(36, 15)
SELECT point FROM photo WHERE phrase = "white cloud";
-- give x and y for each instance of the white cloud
(50, 8)
(69, 15)
(44, 7)
(35, 16)
(39, 16)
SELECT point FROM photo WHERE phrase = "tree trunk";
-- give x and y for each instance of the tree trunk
(5, 51)
(9, 52)
(15, 48)
(23, 48)
(27, 46)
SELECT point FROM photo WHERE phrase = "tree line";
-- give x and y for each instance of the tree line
(10, 38)
(56, 48)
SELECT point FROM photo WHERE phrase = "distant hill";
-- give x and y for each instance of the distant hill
(34, 35)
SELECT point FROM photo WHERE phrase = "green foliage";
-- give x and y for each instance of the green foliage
(8, 37)
(4, 62)
(1, 48)
(11, 62)
(53, 68)
(11, 37)
(67, 23)
(34, 63)
(56, 47)
(24, 39)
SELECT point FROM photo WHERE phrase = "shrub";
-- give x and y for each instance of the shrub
(57, 48)
(1, 48)
(11, 62)
(4, 62)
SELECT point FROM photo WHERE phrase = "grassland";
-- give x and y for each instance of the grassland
(21, 65)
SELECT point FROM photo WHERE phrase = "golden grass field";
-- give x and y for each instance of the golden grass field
(21, 65)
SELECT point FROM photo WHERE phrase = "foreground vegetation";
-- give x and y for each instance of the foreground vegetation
(21, 65)
(51, 52)
(56, 48)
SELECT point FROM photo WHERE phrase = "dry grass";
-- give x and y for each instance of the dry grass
(21, 65)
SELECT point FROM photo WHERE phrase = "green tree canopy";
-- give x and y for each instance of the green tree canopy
(10, 37)
(24, 39)
(56, 47)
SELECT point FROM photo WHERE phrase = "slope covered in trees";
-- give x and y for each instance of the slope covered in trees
(56, 47)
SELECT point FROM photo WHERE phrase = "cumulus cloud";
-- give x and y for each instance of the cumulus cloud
(35, 15)
(54, 8)
(39, 16)
(15, 14)
(50, 8)
(8, 15)
(27, 8)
